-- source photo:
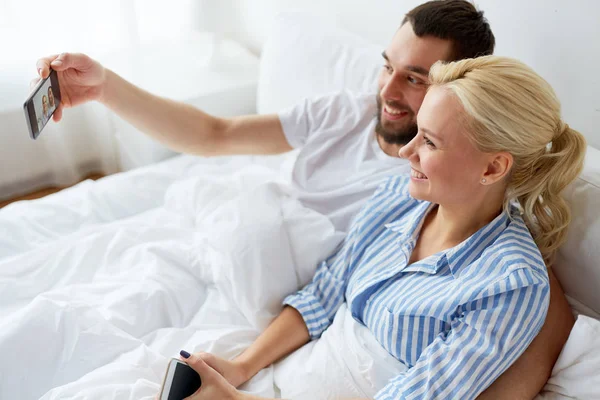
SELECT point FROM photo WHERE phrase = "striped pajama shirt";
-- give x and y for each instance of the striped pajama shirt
(456, 319)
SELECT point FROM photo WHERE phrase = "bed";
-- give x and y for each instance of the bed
(101, 283)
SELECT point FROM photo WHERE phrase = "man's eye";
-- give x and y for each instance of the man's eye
(413, 80)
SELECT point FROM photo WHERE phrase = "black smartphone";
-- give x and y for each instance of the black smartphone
(180, 381)
(41, 104)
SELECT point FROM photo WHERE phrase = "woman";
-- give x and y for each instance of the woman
(447, 267)
(42, 119)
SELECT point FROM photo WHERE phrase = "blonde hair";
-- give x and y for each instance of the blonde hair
(508, 107)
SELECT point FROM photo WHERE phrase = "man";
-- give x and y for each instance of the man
(345, 150)
(51, 98)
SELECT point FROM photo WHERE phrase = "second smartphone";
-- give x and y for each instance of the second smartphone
(181, 381)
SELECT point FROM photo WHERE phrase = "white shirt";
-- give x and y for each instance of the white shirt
(340, 163)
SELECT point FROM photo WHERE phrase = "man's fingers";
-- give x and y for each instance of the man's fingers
(62, 62)
(77, 61)
(43, 65)
(58, 62)
(57, 116)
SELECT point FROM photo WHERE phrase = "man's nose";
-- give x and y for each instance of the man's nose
(392, 90)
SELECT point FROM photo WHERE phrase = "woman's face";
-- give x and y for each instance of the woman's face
(446, 168)
(45, 104)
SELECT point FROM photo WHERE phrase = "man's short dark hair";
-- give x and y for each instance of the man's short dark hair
(457, 21)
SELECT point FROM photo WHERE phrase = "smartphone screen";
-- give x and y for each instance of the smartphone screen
(41, 104)
(181, 381)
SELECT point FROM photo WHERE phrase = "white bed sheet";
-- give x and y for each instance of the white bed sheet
(102, 283)
(30, 224)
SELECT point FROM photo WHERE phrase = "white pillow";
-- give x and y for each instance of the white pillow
(306, 56)
(576, 374)
(577, 265)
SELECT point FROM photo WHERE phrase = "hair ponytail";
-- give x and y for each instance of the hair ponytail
(546, 213)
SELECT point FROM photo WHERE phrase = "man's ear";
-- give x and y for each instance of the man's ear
(499, 166)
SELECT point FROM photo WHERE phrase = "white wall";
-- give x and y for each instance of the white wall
(560, 39)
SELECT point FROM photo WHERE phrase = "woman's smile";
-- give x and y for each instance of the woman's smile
(417, 176)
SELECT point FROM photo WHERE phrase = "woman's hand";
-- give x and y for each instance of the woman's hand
(214, 385)
(232, 371)
(81, 79)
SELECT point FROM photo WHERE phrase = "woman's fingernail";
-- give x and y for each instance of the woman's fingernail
(56, 62)
(40, 71)
(184, 354)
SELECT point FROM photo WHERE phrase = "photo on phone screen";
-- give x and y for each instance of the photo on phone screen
(41, 104)
(181, 381)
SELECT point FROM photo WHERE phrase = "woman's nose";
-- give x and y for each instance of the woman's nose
(408, 150)
(405, 151)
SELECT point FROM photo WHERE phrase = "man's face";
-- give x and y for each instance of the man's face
(403, 82)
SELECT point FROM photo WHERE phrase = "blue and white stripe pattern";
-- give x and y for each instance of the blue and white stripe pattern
(456, 319)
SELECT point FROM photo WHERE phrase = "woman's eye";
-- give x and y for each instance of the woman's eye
(429, 142)
(388, 68)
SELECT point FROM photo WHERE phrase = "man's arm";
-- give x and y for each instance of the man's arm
(528, 375)
(187, 129)
(177, 125)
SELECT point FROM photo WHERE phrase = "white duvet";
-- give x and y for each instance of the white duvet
(102, 283)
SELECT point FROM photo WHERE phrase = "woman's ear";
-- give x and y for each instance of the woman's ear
(498, 167)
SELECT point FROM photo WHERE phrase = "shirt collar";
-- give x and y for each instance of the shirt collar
(407, 229)
(457, 257)
(410, 226)
(462, 255)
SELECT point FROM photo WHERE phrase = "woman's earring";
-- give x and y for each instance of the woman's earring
(483, 180)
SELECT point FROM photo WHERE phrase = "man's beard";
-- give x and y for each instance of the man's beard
(401, 135)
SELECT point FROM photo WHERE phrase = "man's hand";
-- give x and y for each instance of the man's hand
(214, 385)
(178, 126)
(81, 79)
